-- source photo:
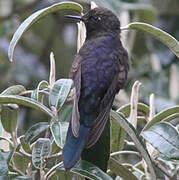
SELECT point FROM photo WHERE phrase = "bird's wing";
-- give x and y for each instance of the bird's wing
(107, 101)
(102, 118)
(75, 74)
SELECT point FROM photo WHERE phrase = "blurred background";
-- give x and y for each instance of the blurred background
(152, 63)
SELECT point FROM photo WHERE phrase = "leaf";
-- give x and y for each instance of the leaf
(90, 171)
(14, 90)
(120, 170)
(25, 101)
(157, 33)
(38, 96)
(40, 150)
(163, 115)
(70, 6)
(3, 166)
(134, 103)
(65, 112)
(55, 148)
(117, 136)
(35, 130)
(9, 117)
(25, 146)
(59, 92)
(20, 162)
(164, 137)
(141, 108)
(135, 137)
(59, 131)
(52, 76)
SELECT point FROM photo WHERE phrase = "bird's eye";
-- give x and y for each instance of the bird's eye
(95, 18)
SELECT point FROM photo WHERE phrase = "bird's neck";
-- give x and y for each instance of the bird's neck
(95, 34)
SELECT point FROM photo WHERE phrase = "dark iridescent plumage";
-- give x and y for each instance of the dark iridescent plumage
(99, 71)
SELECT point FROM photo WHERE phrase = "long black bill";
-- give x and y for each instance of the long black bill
(74, 17)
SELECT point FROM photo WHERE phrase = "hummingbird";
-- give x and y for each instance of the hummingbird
(99, 71)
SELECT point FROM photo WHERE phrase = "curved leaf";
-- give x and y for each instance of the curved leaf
(14, 90)
(159, 34)
(9, 117)
(40, 150)
(59, 92)
(25, 146)
(71, 6)
(135, 137)
(125, 109)
(59, 131)
(25, 101)
(35, 130)
(117, 137)
(3, 166)
(164, 137)
(162, 116)
(64, 115)
(120, 170)
(90, 171)
(36, 94)
(20, 162)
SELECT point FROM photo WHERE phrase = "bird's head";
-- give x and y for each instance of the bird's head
(99, 21)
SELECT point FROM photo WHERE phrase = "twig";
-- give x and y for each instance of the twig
(125, 152)
(162, 168)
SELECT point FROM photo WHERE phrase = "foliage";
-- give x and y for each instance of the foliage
(38, 156)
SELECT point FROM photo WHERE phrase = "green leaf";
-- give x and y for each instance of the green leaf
(40, 150)
(117, 137)
(142, 108)
(135, 137)
(59, 131)
(38, 96)
(20, 162)
(163, 115)
(55, 148)
(164, 137)
(90, 171)
(157, 33)
(3, 166)
(25, 146)
(9, 117)
(25, 101)
(63, 6)
(35, 130)
(65, 112)
(14, 90)
(120, 170)
(59, 92)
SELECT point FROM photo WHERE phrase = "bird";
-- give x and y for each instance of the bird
(99, 70)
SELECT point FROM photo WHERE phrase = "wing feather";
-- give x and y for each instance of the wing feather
(75, 74)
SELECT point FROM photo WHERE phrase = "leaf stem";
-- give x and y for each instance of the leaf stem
(162, 168)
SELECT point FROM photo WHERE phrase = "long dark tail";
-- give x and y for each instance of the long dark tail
(74, 146)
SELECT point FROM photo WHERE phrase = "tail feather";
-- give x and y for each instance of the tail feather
(74, 146)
